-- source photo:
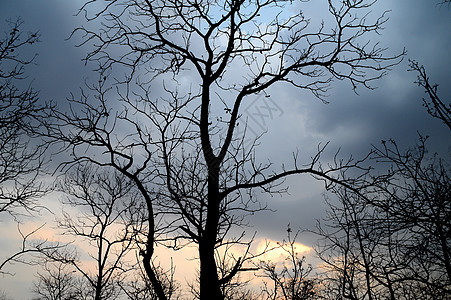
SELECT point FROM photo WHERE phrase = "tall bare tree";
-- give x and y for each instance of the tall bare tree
(190, 163)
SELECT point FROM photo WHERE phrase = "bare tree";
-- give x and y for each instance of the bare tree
(22, 158)
(139, 287)
(57, 282)
(354, 251)
(96, 127)
(108, 221)
(290, 279)
(190, 164)
(392, 240)
(419, 202)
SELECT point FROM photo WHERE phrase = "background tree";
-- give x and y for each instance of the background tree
(195, 179)
(138, 286)
(107, 225)
(289, 279)
(393, 239)
(22, 159)
(354, 263)
(58, 282)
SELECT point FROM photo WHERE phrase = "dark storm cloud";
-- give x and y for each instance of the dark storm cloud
(394, 109)
(350, 121)
(58, 67)
(354, 122)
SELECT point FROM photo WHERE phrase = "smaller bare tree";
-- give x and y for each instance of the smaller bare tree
(291, 280)
(137, 285)
(57, 282)
(392, 239)
(106, 223)
(22, 159)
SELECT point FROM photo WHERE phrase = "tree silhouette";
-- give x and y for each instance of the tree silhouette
(22, 159)
(139, 287)
(291, 280)
(191, 164)
(56, 282)
(392, 240)
(107, 224)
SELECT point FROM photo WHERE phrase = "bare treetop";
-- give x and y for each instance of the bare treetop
(269, 41)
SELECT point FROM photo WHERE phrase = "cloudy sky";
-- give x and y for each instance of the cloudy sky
(350, 121)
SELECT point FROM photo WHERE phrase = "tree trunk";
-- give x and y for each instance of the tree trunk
(156, 284)
(209, 281)
(98, 289)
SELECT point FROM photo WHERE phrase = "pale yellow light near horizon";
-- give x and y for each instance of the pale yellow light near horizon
(185, 261)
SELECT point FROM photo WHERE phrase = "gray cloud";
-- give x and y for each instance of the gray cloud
(350, 121)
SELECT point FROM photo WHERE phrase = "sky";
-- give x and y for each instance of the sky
(352, 122)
